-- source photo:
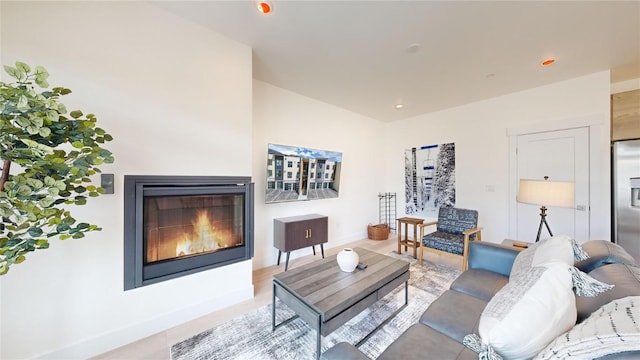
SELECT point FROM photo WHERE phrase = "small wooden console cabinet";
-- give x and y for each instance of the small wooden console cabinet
(297, 232)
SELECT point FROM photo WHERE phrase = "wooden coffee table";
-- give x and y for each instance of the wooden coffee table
(326, 298)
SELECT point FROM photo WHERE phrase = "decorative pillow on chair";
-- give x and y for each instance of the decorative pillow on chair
(557, 248)
(613, 328)
(529, 312)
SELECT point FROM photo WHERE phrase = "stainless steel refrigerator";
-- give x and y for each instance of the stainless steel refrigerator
(626, 195)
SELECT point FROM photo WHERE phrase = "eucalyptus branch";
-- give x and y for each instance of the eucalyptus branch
(34, 126)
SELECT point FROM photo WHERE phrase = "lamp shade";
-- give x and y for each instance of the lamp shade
(546, 192)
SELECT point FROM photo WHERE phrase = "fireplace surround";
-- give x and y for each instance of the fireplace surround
(179, 225)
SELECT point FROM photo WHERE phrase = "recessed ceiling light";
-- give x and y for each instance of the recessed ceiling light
(264, 7)
(399, 106)
(413, 48)
(548, 62)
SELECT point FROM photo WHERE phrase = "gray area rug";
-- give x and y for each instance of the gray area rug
(250, 337)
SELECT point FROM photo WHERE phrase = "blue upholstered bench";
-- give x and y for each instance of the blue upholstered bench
(454, 229)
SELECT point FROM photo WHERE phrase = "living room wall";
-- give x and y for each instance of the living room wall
(177, 99)
(283, 117)
(480, 133)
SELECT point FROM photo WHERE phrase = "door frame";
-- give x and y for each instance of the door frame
(599, 169)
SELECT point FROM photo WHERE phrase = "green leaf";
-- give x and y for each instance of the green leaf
(77, 144)
(35, 183)
(41, 72)
(37, 120)
(64, 236)
(44, 132)
(31, 129)
(23, 67)
(42, 244)
(76, 114)
(60, 185)
(46, 202)
(63, 227)
(23, 103)
(34, 231)
(13, 72)
(52, 115)
(24, 190)
(32, 144)
(43, 83)
(49, 181)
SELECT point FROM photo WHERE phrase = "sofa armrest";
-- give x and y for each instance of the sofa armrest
(343, 351)
(492, 257)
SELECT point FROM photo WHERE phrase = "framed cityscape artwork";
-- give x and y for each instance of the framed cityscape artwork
(297, 173)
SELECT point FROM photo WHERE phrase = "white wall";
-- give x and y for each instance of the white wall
(177, 100)
(286, 118)
(479, 131)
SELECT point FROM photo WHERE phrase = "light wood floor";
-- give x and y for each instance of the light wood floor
(157, 346)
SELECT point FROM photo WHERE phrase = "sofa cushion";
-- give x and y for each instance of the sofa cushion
(530, 311)
(626, 279)
(343, 351)
(492, 257)
(478, 283)
(614, 328)
(454, 314)
(424, 343)
(451, 243)
(602, 252)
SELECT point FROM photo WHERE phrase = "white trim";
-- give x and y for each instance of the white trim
(599, 169)
(623, 86)
(571, 123)
(115, 339)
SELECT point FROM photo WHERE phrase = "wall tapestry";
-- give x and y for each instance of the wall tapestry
(297, 173)
(430, 179)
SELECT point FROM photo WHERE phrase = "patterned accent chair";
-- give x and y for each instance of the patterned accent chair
(455, 229)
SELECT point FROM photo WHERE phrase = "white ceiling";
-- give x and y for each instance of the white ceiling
(355, 54)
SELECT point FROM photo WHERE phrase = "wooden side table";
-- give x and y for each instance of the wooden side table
(518, 245)
(415, 243)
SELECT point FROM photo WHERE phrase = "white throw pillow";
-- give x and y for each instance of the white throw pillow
(530, 311)
(557, 248)
(613, 328)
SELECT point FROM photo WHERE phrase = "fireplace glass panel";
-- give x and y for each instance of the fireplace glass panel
(177, 227)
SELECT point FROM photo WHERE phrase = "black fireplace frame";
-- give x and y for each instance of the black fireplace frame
(136, 273)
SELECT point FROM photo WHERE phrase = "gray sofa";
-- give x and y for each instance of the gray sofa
(440, 331)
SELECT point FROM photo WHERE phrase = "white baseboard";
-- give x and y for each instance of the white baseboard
(118, 338)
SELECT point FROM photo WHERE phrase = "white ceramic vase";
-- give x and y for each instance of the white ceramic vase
(348, 260)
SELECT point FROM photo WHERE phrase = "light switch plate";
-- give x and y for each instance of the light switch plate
(106, 182)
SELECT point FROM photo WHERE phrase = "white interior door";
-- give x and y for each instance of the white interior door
(563, 155)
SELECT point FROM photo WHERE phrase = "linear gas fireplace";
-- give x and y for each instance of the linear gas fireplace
(179, 225)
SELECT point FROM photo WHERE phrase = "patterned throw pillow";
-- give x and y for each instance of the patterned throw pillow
(529, 312)
(613, 328)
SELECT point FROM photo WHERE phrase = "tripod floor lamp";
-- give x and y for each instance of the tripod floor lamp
(546, 193)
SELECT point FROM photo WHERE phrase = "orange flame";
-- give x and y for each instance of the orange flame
(202, 239)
